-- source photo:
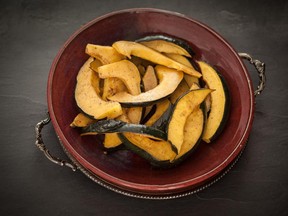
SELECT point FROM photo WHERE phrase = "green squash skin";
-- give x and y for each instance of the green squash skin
(112, 126)
(142, 153)
(174, 40)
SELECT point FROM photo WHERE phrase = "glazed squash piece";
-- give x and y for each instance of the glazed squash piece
(157, 152)
(111, 85)
(180, 90)
(105, 54)
(169, 79)
(125, 71)
(81, 120)
(219, 106)
(149, 81)
(129, 48)
(161, 108)
(128, 73)
(193, 130)
(166, 47)
(87, 95)
(183, 60)
(177, 41)
(183, 108)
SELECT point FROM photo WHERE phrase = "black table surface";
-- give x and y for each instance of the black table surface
(32, 32)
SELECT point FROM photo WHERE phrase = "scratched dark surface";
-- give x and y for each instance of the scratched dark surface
(31, 33)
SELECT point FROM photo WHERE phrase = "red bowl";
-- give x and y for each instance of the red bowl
(123, 171)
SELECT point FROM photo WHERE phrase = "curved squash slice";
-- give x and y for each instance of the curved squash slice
(87, 95)
(169, 79)
(219, 102)
(193, 131)
(161, 108)
(106, 54)
(125, 71)
(81, 120)
(158, 153)
(183, 108)
(183, 60)
(149, 81)
(117, 126)
(166, 47)
(180, 90)
(129, 48)
(111, 141)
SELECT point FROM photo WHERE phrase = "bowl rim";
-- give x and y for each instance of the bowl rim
(143, 188)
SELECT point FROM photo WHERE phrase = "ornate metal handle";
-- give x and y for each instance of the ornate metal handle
(40, 144)
(260, 67)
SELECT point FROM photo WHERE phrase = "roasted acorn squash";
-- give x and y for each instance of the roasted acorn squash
(219, 107)
(157, 152)
(169, 79)
(87, 95)
(129, 48)
(184, 106)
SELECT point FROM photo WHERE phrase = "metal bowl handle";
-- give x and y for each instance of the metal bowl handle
(40, 144)
(260, 67)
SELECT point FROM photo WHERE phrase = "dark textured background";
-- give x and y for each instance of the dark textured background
(31, 33)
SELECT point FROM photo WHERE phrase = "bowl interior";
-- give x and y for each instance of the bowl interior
(123, 168)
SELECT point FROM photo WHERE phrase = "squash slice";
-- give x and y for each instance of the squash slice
(157, 152)
(169, 79)
(149, 81)
(219, 102)
(129, 48)
(125, 71)
(161, 108)
(81, 120)
(87, 95)
(183, 108)
(166, 47)
(193, 130)
(106, 54)
(180, 90)
(183, 60)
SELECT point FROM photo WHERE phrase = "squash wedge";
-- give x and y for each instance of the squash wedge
(169, 79)
(149, 81)
(219, 107)
(157, 152)
(166, 47)
(129, 48)
(81, 120)
(183, 108)
(180, 90)
(161, 108)
(125, 71)
(87, 95)
(193, 130)
(106, 54)
(183, 60)
(182, 43)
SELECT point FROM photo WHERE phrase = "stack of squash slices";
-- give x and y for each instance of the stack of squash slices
(151, 97)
